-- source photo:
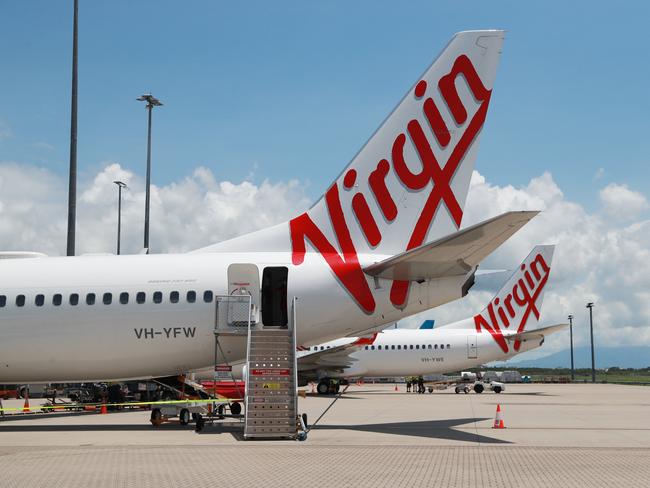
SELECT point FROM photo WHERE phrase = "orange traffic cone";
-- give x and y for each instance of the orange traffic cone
(26, 404)
(103, 410)
(498, 421)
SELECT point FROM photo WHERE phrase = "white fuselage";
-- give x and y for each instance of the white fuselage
(405, 352)
(65, 342)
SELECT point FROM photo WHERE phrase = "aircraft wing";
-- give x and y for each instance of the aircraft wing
(453, 255)
(335, 358)
(536, 333)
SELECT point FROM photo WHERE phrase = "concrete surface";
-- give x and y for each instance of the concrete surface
(565, 435)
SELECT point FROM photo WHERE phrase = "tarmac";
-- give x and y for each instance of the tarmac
(562, 435)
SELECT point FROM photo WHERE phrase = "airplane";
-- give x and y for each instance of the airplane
(381, 244)
(505, 328)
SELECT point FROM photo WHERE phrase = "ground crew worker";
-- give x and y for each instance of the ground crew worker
(408, 385)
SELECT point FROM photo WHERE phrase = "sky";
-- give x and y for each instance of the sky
(266, 102)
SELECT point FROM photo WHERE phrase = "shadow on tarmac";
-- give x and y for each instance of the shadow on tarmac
(430, 429)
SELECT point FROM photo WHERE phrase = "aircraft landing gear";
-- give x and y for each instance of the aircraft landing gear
(328, 386)
(323, 387)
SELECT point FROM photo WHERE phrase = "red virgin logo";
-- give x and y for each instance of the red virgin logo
(345, 264)
(516, 305)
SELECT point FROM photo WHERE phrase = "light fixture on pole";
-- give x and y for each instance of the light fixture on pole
(120, 185)
(573, 375)
(151, 103)
(590, 306)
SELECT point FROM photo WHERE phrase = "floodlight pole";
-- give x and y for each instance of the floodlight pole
(151, 103)
(72, 185)
(590, 306)
(573, 375)
(120, 185)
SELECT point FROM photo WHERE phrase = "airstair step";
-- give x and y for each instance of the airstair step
(271, 389)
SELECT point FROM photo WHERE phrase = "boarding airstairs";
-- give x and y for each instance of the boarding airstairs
(270, 375)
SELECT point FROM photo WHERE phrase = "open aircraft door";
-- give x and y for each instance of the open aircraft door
(472, 347)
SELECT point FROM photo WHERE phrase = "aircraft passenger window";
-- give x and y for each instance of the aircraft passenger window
(429, 346)
(191, 296)
(124, 298)
(274, 296)
(39, 300)
(392, 347)
(74, 299)
(174, 296)
(321, 348)
(107, 298)
(417, 346)
(57, 299)
(442, 346)
(140, 297)
(3, 300)
(448, 346)
(399, 347)
(366, 348)
(157, 297)
(411, 346)
(435, 346)
(207, 296)
(328, 347)
(372, 347)
(20, 300)
(90, 299)
(379, 347)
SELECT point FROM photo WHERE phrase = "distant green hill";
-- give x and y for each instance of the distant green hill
(606, 357)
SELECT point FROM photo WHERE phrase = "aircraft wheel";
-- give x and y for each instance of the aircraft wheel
(497, 389)
(466, 390)
(184, 416)
(323, 388)
(457, 390)
(235, 408)
(156, 417)
(200, 423)
(478, 388)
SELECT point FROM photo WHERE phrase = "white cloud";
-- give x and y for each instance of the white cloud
(598, 258)
(188, 214)
(620, 201)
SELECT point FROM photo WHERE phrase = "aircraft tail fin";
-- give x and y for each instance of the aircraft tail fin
(389, 198)
(427, 324)
(517, 305)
